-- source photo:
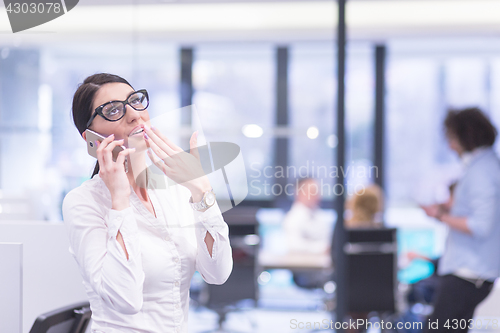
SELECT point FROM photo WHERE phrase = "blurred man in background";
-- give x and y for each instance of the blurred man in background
(308, 231)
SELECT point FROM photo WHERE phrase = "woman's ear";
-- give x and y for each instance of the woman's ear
(84, 135)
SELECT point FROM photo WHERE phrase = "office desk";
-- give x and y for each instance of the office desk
(294, 261)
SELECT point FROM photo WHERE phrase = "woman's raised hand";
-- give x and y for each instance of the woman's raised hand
(182, 167)
(113, 173)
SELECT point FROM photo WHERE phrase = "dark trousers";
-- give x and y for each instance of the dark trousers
(455, 302)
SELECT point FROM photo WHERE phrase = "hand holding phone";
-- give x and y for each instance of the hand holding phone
(92, 137)
(113, 173)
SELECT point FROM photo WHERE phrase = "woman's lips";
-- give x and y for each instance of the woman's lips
(137, 131)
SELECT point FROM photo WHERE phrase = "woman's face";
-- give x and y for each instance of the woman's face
(130, 122)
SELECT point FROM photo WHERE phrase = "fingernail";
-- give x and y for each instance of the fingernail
(97, 143)
(153, 128)
(146, 136)
(112, 134)
(132, 150)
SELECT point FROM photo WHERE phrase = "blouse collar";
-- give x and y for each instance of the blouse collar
(469, 156)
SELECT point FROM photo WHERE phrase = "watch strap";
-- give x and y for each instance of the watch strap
(201, 204)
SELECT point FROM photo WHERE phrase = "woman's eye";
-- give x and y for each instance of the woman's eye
(112, 112)
(135, 100)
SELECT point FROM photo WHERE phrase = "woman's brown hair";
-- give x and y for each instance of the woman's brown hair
(472, 128)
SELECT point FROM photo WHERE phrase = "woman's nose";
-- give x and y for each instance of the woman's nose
(132, 114)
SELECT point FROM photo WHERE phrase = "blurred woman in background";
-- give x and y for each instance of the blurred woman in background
(471, 259)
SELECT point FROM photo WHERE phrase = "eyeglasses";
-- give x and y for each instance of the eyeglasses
(115, 110)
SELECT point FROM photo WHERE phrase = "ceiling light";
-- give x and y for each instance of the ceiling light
(312, 132)
(252, 131)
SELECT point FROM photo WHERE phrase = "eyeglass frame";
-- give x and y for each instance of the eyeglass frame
(98, 110)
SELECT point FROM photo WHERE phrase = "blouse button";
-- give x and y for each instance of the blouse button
(176, 283)
(176, 259)
(177, 305)
(167, 238)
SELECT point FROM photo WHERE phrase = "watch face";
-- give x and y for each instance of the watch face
(210, 199)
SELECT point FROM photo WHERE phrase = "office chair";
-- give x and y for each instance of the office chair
(371, 256)
(69, 319)
(242, 283)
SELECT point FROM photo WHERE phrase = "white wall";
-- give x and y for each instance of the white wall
(51, 276)
(11, 263)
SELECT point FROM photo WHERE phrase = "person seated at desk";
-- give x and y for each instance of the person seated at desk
(364, 208)
(307, 230)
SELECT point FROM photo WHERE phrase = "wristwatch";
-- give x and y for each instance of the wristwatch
(207, 201)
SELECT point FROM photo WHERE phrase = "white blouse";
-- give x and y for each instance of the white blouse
(307, 230)
(149, 292)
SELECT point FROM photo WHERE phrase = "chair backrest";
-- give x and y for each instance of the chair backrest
(371, 256)
(69, 319)
(243, 230)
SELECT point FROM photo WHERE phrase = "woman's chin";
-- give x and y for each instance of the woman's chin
(137, 142)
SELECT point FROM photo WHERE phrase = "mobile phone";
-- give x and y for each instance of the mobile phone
(92, 137)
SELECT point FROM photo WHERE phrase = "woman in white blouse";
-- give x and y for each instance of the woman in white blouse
(138, 242)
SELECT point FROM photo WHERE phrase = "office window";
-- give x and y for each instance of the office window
(414, 113)
(467, 82)
(360, 115)
(312, 90)
(313, 109)
(234, 95)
